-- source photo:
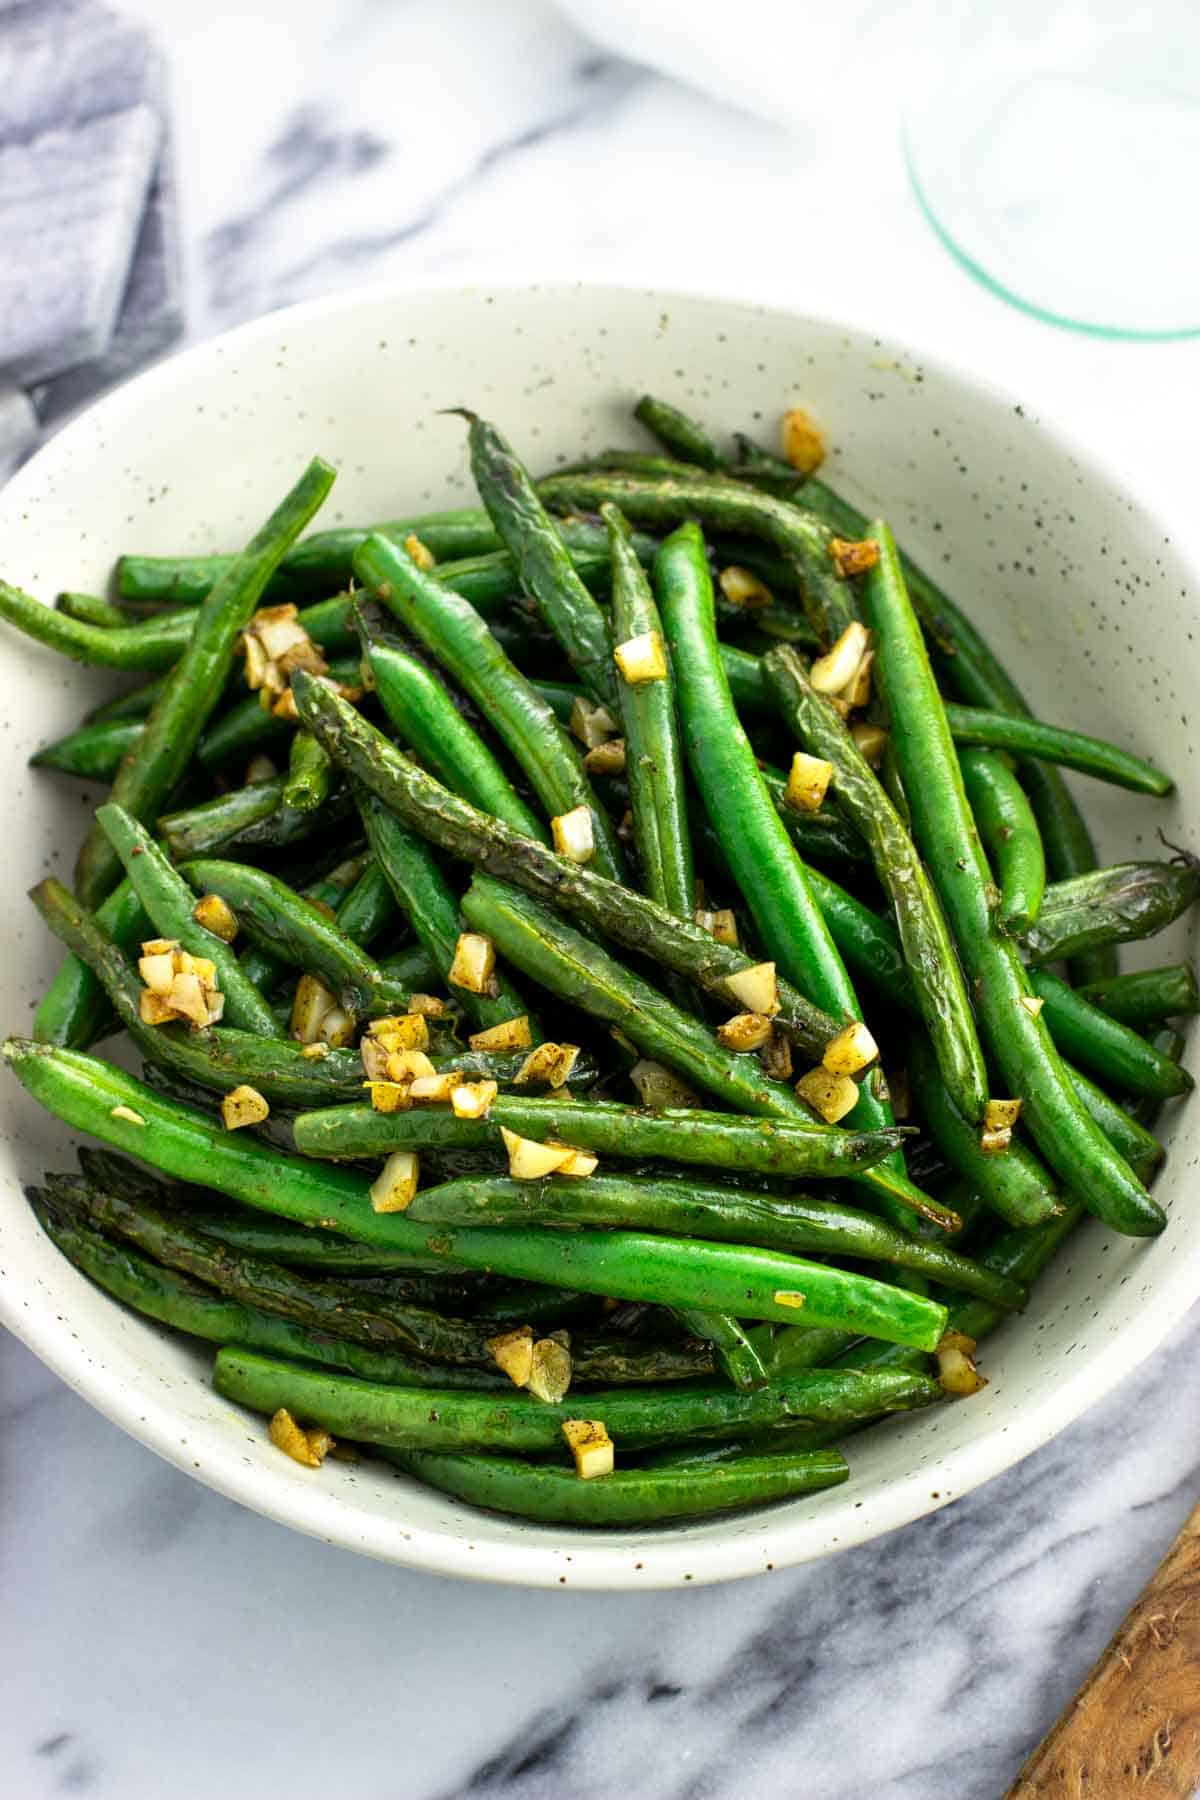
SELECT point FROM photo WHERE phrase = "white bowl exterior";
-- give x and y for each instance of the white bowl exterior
(1076, 587)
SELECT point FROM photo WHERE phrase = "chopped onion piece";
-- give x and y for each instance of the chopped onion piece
(745, 1031)
(833, 1096)
(531, 1161)
(512, 1352)
(852, 1049)
(217, 916)
(833, 672)
(573, 835)
(394, 1187)
(244, 1106)
(551, 1063)
(871, 741)
(802, 440)
(512, 1034)
(591, 1447)
(309, 1448)
(956, 1371)
(606, 759)
(592, 724)
(853, 556)
(421, 554)
(808, 781)
(756, 988)
(642, 658)
(473, 1100)
(474, 963)
(659, 1087)
(742, 588)
(550, 1373)
(999, 1115)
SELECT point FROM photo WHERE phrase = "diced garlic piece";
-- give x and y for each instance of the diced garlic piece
(592, 724)
(745, 1031)
(871, 741)
(1000, 1115)
(127, 1113)
(580, 1164)
(158, 971)
(277, 629)
(742, 588)
(403, 1031)
(216, 916)
(852, 1049)
(394, 1187)
(833, 1096)
(429, 1088)
(756, 988)
(531, 1161)
(659, 1087)
(808, 781)
(606, 759)
(285, 707)
(859, 691)
(591, 1447)
(833, 672)
(802, 440)
(374, 1058)
(995, 1142)
(202, 967)
(244, 1106)
(776, 1057)
(260, 768)
(720, 924)
(314, 1052)
(406, 1065)
(573, 835)
(388, 1096)
(512, 1352)
(154, 1010)
(788, 1297)
(511, 1034)
(216, 1005)
(337, 1027)
(256, 660)
(957, 1373)
(550, 1373)
(186, 997)
(312, 1002)
(642, 658)
(551, 1063)
(160, 946)
(474, 964)
(421, 554)
(1033, 1004)
(473, 1100)
(309, 1448)
(426, 1004)
(853, 556)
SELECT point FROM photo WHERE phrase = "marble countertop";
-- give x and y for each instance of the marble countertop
(161, 1640)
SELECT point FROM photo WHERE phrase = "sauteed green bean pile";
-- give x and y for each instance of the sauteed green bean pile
(624, 993)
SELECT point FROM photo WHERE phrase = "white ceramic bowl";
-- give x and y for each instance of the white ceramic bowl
(1078, 590)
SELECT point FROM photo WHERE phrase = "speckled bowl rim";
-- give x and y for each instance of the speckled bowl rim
(591, 1561)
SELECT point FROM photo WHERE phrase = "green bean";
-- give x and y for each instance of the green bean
(1139, 1147)
(462, 643)
(1116, 905)
(258, 1234)
(92, 753)
(627, 1496)
(75, 1010)
(309, 776)
(827, 836)
(95, 1097)
(412, 967)
(732, 1348)
(368, 908)
(167, 899)
(543, 563)
(177, 1300)
(179, 716)
(246, 727)
(578, 970)
(944, 831)
(465, 832)
(1014, 1184)
(152, 644)
(925, 940)
(724, 505)
(1009, 835)
(298, 932)
(793, 1223)
(680, 436)
(397, 1419)
(1054, 744)
(424, 894)
(754, 841)
(1108, 1050)
(173, 1239)
(91, 609)
(793, 1147)
(426, 717)
(1148, 996)
(221, 1057)
(134, 703)
(252, 818)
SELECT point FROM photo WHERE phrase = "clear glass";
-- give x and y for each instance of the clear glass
(1054, 146)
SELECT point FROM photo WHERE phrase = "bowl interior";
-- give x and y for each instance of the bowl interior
(1075, 585)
